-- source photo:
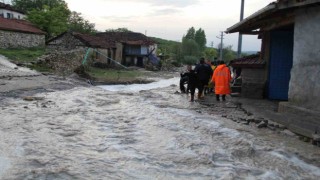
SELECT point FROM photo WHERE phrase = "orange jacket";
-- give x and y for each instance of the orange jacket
(221, 79)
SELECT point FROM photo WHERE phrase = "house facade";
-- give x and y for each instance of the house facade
(289, 30)
(16, 33)
(126, 48)
(8, 12)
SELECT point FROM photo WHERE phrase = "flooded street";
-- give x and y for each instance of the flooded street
(138, 132)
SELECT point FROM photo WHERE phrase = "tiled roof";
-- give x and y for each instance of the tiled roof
(252, 61)
(94, 41)
(19, 26)
(8, 7)
(109, 40)
(132, 38)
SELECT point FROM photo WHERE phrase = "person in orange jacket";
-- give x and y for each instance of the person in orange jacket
(221, 79)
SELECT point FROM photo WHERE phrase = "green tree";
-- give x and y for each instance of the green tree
(190, 47)
(200, 38)
(28, 5)
(228, 53)
(190, 33)
(78, 24)
(190, 51)
(50, 16)
(123, 29)
(210, 53)
(53, 21)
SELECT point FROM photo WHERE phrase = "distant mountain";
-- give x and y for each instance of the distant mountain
(249, 52)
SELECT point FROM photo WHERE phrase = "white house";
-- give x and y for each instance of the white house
(7, 11)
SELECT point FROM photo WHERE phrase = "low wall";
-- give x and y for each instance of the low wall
(63, 62)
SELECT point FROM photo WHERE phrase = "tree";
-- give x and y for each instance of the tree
(50, 16)
(78, 24)
(228, 53)
(200, 38)
(190, 47)
(118, 30)
(190, 33)
(29, 5)
(53, 21)
(210, 53)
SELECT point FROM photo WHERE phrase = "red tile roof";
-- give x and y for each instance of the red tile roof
(132, 38)
(19, 26)
(94, 41)
(252, 61)
(109, 39)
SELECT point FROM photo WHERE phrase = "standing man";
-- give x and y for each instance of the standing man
(221, 79)
(204, 72)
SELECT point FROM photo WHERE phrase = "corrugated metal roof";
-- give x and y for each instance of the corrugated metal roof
(19, 26)
(275, 11)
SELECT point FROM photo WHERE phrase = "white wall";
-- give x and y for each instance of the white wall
(16, 15)
(304, 87)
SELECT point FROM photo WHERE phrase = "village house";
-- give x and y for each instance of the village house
(127, 48)
(7, 11)
(289, 30)
(16, 33)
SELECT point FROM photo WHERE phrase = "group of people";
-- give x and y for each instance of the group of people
(204, 75)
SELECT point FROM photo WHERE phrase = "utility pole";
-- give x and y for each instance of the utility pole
(240, 35)
(221, 44)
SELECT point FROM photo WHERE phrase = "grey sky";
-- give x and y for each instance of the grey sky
(170, 19)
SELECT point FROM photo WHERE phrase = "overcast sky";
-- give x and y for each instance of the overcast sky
(170, 19)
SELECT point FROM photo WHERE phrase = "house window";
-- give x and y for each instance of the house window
(9, 16)
(18, 16)
(1, 15)
(97, 55)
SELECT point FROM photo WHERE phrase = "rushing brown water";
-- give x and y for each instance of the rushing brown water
(135, 132)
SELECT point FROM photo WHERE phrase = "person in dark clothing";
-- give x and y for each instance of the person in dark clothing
(191, 79)
(204, 72)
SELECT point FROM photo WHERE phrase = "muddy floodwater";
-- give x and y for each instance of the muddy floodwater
(139, 132)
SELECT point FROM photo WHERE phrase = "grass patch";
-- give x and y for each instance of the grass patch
(23, 55)
(113, 75)
(26, 56)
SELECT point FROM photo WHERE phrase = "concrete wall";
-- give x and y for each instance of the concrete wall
(253, 83)
(305, 74)
(9, 39)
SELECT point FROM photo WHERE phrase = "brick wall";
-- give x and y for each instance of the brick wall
(9, 39)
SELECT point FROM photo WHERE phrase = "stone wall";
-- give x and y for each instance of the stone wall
(63, 62)
(66, 42)
(9, 39)
(304, 83)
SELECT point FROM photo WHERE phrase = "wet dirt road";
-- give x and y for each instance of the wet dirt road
(136, 132)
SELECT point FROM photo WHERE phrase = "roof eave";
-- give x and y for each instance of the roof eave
(259, 14)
